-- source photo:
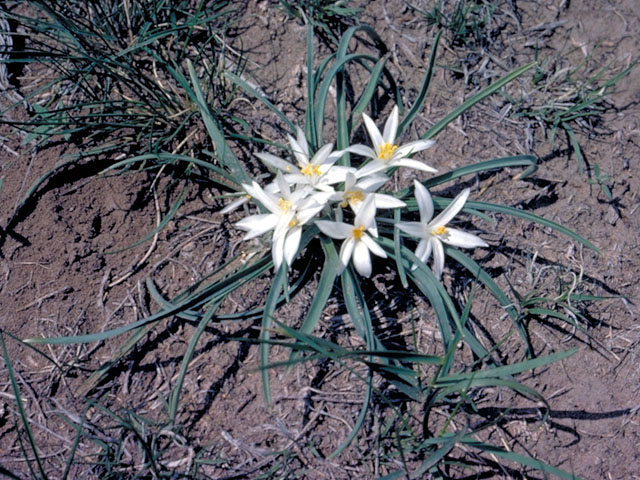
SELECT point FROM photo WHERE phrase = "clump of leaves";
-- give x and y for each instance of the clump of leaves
(571, 99)
(466, 23)
(106, 70)
(330, 18)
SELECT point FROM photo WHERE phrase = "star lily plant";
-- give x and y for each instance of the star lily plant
(316, 190)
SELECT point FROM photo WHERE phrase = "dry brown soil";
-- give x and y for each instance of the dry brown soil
(57, 276)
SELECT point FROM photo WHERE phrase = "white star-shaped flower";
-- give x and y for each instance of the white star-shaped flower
(356, 191)
(289, 211)
(385, 152)
(318, 171)
(433, 231)
(357, 243)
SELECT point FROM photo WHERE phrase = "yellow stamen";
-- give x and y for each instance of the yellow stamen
(248, 196)
(441, 230)
(387, 150)
(358, 232)
(284, 205)
(353, 196)
(311, 170)
(294, 222)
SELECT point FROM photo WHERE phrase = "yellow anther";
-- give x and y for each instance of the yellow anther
(293, 223)
(353, 196)
(311, 170)
(441, 230)
(358, 232)
(248, 197)
(284, 205)
(387, 150)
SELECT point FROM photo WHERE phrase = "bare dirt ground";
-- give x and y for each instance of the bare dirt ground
(58, 277)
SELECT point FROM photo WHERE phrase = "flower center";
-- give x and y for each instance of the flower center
(441, 230)
(387, 150)
(311, 170)
(284, 205)
(358, 232)
(352, 196)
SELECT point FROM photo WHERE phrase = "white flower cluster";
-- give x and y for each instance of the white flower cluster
(309, 188)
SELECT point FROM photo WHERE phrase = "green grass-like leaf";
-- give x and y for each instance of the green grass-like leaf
(277, 286)
(478, 97)
(174, 395)
(26, 423)
(490, 207)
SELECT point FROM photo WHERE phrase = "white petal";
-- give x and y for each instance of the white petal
(415, 229)
(276, 162)
(277, 248)
(296, 179)
(362, 259)
(322, 156)
(349, 181)
(337, 196)
(302, 141)
(300, 194)
(256, 225)
(356, 205)
(452, 209)
(412, 147)
(284, 223)
(371, 183)
(458, 238)
(323, 186)
(321, 198)
(302, 156)
(407, 163)
(374, 166)
(374, 133)
(373, 246)
(272, 188)
(423, 250)
(306, 214)
(335, 155)
(261, 196)
(345, 253)
(291, 244)
(338, 230)
(362, 150)
(438, 257)
(283, 185)
(235, 204)
(337, 174)
(425, 203)
(391, 127)
(367, 213)
(388, 201)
